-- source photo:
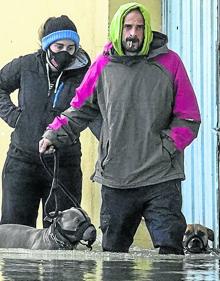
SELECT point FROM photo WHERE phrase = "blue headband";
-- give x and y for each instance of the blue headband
(60, 35)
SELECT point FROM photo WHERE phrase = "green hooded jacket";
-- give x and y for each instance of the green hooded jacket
(116, 27)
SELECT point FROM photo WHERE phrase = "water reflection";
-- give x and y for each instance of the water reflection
(18, 269)
(171, 270)
(204, 268)
(119, 270)
(56, 270)
(143, 270)
(97, 266)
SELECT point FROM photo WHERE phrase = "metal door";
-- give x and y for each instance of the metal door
(191, 26)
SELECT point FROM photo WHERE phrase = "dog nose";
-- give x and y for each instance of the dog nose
(195, 245)
(90, 234)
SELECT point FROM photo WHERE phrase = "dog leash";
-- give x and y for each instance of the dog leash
(55, 185)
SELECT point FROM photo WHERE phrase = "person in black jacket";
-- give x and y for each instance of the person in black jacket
(46, 82)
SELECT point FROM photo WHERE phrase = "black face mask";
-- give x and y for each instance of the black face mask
(59, 60)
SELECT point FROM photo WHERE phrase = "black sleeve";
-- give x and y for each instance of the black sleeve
(9, 82)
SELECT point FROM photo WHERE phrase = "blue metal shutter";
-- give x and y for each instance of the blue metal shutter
(191, 26)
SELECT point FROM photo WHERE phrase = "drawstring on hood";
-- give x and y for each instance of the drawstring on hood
(51, 85)
(116, 27)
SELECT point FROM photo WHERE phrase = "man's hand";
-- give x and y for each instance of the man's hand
(45, 146)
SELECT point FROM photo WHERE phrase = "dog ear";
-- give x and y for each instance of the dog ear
(51, 217)
(210, 234)
(48, 219)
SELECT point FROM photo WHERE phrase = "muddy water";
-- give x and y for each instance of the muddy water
(82, 264)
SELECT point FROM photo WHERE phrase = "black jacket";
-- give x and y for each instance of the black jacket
(35, 108)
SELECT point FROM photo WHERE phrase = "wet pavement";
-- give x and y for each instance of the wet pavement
(82, 264)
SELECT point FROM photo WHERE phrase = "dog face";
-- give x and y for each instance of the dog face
(196, 238)
(75, 225)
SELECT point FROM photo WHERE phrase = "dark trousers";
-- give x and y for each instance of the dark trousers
(24, 184)
(123, 209)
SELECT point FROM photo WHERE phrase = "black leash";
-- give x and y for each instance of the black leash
(54, 187)
(55, 184)
(53, 190)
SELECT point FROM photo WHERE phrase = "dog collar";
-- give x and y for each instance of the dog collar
(62, 244)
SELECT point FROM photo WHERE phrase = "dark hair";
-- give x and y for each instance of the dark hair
(53, 24)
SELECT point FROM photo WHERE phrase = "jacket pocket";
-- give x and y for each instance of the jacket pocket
(14, 117)
(169, 151)
(169, 146)
(18, 119)
(104, 159)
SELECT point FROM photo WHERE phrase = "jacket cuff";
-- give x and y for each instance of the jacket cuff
(52, 136)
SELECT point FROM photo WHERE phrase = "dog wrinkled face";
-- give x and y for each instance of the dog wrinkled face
(194, 243)
(196, 238)
(76, 226)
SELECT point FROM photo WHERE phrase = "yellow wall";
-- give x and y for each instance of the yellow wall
(21, 37)
(153, 6)
(19, 24)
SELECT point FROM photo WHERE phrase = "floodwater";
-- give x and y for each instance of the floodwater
(83, 265)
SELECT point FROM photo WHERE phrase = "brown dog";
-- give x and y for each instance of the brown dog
(196, 238)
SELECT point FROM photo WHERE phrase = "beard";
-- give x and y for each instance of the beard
(131, 45)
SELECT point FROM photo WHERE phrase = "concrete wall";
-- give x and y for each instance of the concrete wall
(19, 24)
